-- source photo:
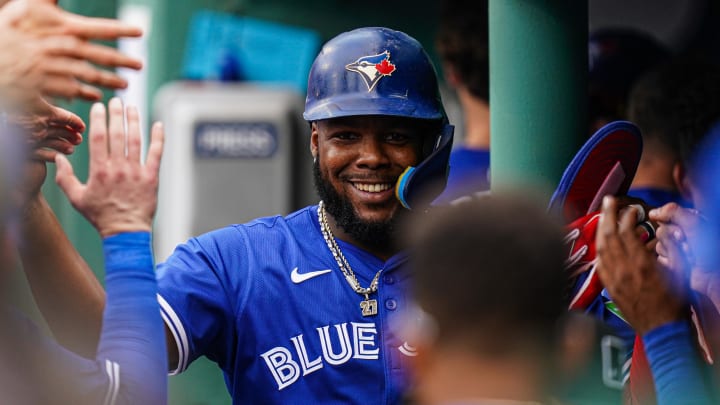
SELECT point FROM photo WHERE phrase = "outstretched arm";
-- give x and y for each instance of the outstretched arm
(69, 296)
(119, 199)
(67, 292)
(47, 53)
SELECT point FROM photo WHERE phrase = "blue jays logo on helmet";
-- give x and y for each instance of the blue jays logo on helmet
(373, 71)
(372, 68)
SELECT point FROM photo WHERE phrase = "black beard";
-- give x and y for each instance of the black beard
(374, 236)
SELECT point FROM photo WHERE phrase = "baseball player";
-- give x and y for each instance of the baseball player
(296, 309)
(462, 43)
(130, 364)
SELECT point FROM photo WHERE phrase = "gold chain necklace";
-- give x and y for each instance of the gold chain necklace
(368, 306)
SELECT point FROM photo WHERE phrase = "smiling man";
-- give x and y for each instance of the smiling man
(295, 309)
(358, 161)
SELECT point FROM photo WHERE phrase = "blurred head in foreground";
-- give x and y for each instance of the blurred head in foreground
(489, 287)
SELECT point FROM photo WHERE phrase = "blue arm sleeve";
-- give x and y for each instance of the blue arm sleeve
(132, 343)
(131, 365)
(675, 366)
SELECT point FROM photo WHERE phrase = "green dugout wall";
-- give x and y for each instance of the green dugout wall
(539, 132)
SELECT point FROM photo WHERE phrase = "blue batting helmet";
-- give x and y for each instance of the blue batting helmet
(373, 71)
(379, 71)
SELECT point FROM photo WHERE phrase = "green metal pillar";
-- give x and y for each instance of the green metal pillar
(538, 75)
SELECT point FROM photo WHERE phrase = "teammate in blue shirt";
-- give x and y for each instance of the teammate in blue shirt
(119, 199)
(297, 309)
(462, 43)
(653, 107)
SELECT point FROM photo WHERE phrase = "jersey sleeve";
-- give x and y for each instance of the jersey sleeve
(676, 366)
(194, 299)
(131, 364)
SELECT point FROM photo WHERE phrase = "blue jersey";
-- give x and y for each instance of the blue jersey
(267, 302)
(656, 197)
(469, 173)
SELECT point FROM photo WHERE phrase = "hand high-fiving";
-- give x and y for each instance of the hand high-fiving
(46, 52)
(48, 129)
(121, 192)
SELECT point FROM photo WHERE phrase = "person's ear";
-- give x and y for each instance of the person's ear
(314, 141)
(451, 76)
(682, 181)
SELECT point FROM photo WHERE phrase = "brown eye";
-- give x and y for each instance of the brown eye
(398, 137)
(345, 136)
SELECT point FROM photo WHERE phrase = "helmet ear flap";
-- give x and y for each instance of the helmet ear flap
(418, 186)
(433, 138)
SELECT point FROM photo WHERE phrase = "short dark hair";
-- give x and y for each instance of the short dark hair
(650, 108)
(490, 271)
(462, 43)
(617, 58)
(697, 105)
(676, 103)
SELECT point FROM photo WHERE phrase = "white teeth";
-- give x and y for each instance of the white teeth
(372, 188)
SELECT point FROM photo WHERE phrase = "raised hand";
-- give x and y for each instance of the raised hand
(680, 233)
(48, 129)
(647, 294)
(680, 226)
(121, 192)
(47, 50)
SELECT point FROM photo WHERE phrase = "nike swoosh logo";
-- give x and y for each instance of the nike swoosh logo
(298, 278)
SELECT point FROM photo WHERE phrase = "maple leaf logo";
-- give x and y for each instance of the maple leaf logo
(385, 67)
(372, 68)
